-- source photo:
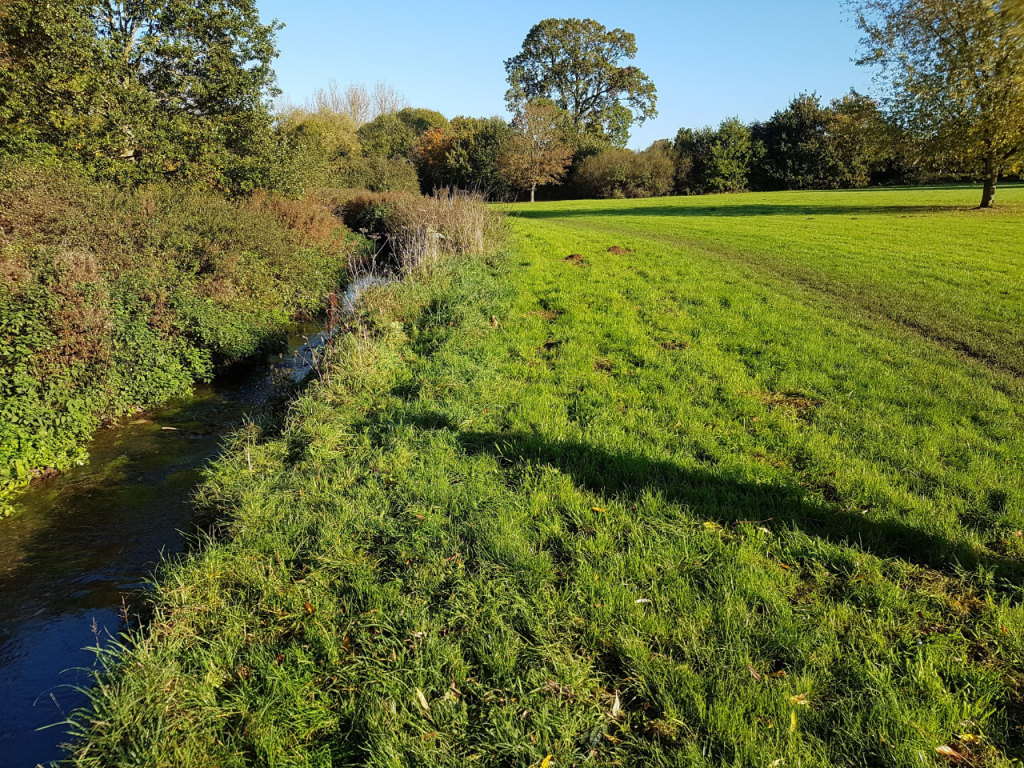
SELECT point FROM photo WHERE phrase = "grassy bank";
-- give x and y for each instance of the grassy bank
(658, 507)
(113, 301)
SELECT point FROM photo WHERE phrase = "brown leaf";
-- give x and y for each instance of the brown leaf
(309, 608)
(754, 673)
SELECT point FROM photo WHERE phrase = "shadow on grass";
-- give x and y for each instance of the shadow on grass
(710, 210)
(714, 497)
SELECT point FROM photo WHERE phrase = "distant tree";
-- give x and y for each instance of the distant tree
(956, 79)
(622, 173)
(421, 120)
(387, 136)
(536, 154)
(796, 152)
(577, 64)
(710, 160)
(863, 142)
(464, 155)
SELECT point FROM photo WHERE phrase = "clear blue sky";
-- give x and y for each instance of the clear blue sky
(709, 60)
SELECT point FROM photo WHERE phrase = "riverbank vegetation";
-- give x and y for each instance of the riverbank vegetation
(113, 301)
(640, 491)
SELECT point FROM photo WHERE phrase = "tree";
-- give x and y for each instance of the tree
(622, 173)
(577, 64)
(464, 155)
(142, 88)
(536, 154)
(956, 79)
(48, 74)
(796, 151)
(387, 136)
(714, 160)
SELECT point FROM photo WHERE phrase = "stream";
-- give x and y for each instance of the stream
(83, 543)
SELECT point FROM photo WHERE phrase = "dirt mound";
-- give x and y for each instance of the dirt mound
(577, 259)
(619, 251)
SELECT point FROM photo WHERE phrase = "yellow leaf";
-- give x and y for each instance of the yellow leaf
(712, 526)
(598, 509)
(801, 700)
(546, 762)
(423, 701)
(792, 721)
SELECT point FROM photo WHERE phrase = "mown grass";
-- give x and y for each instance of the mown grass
(925, 258)
(660, 509)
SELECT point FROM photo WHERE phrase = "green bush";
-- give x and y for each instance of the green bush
(622, 173)
(709, 160)
(112, 301)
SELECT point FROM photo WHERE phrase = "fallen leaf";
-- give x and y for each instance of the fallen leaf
(600, 510)
(792, 721)
(309, 608)
(785, 567)
(423, 701)
(419, 517)
(712, 526)
(952, 754)
(801, 700)
(616, 707)
(642, 601)
(546, 762)
(777, 763)
(279, 659)
(754, 673)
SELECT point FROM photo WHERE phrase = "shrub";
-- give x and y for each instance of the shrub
(622, 173)
(112, 300)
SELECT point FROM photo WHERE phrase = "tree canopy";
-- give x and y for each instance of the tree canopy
(955, 70)
(578, 65)
(143, 87)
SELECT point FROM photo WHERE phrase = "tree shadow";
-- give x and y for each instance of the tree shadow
(712, 497)
(710, 210)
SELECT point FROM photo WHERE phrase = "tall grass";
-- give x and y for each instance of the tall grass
(415, 233)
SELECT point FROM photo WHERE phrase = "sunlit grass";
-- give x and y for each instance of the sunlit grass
(667, 507)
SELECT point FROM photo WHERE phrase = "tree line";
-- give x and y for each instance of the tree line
(184, 89)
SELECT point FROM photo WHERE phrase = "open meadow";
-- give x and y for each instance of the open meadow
(745, 491)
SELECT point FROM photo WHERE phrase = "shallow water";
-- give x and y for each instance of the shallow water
(83, 543)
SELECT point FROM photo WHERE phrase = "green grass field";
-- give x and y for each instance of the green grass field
(749, 494)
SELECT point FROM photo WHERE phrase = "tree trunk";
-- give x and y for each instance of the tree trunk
(988, 196)
(533, 193)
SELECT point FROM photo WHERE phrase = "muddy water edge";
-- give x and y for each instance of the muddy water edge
(83, 545)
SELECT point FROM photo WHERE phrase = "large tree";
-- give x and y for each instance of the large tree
(578, 64)
(955, 72)
(536, 154)
(157, 86)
